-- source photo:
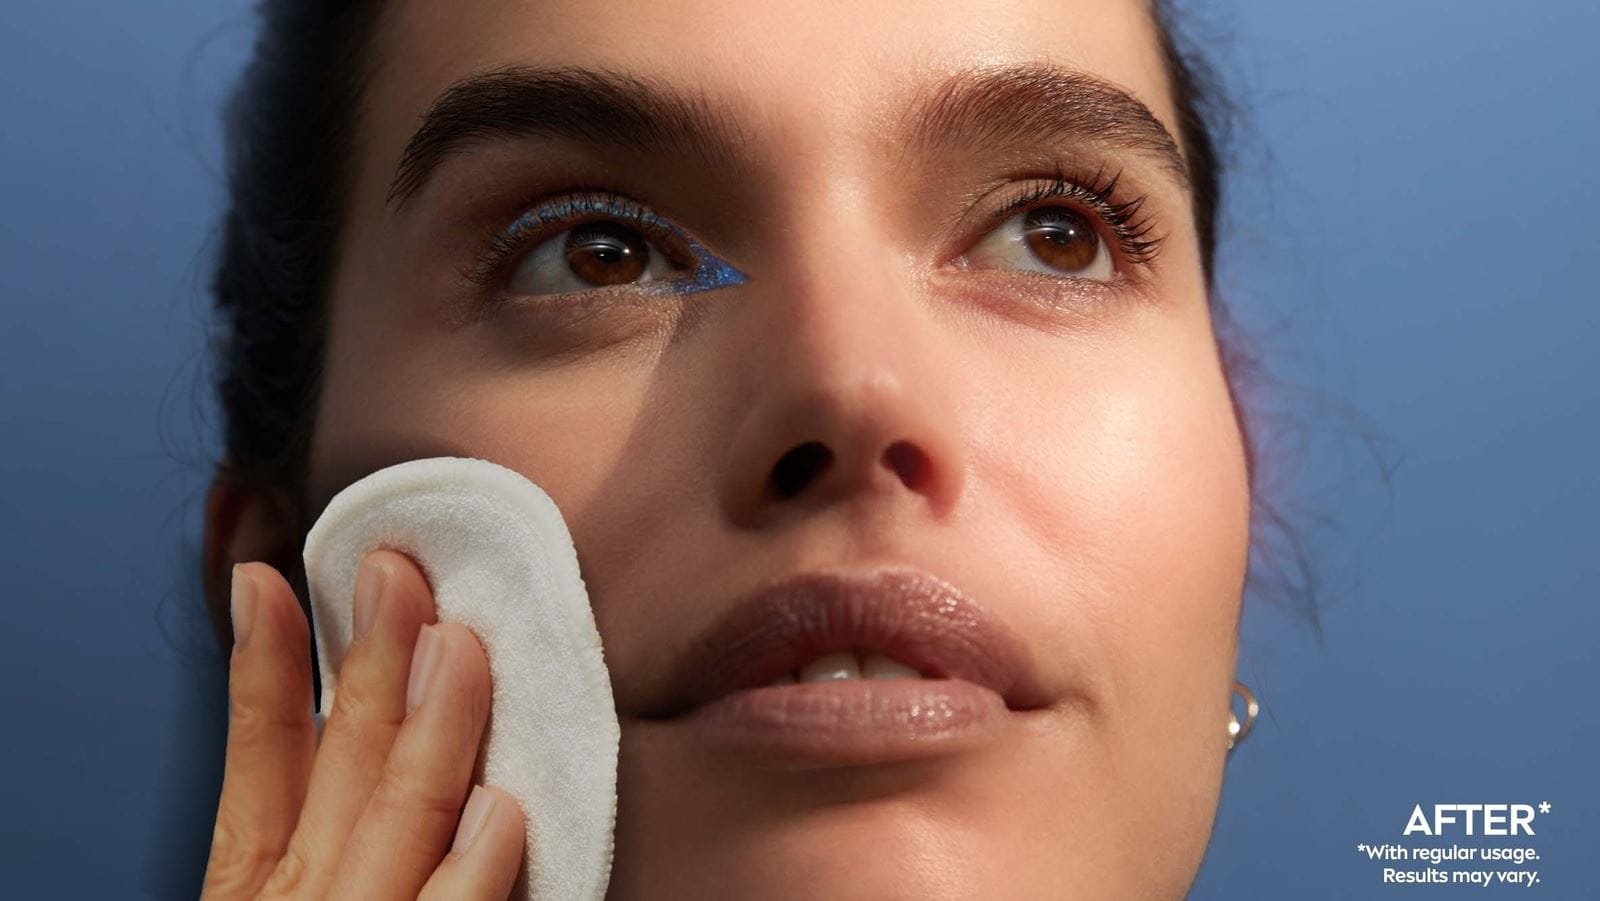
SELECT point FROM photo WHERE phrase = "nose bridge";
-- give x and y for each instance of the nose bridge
(846, 309)
(847, 399)
(840, 286)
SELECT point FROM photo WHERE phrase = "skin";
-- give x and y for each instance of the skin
(1075, 464)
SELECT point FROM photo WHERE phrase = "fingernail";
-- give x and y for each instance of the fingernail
(423, 660)
(479, 805)
(370, 581)
(242, 606)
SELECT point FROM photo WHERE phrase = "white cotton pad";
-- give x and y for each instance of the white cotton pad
(500, 560)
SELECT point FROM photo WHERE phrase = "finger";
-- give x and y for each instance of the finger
(392, 601)
(487, 851)
(271, 739)
(407, 825)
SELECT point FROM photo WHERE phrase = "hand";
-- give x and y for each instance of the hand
(375, 811)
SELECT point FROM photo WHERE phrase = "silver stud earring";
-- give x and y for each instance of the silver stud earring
(1237, 730)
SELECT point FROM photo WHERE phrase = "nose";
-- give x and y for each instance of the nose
(848, 399)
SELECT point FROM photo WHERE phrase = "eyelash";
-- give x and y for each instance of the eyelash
(554, 217)
(1132, 232)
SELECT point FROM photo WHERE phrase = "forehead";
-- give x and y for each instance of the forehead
(806, 76)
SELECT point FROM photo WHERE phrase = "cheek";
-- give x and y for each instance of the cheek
(1155, 502)
(1125, 464)
(565, 428)
(1168, 545)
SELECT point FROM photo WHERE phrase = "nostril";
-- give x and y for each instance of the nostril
(799, 466)
(908, 462)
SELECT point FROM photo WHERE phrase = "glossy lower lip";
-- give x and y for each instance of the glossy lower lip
(850, 721)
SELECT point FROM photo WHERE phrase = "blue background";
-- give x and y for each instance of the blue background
(1410, 238)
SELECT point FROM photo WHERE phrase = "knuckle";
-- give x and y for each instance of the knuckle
(252, 723)
(289, 876)
(238, 857)
(403, 793)
(357, 700)
(351, 739)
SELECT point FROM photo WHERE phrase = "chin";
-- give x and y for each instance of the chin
(882, 849)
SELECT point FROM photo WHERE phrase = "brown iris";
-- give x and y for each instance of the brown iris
(1062, 238)
(606, 253)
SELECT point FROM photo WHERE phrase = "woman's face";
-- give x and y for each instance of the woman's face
(1027, 404)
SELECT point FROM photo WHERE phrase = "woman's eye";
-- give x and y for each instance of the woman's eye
(1054, 240)
(588, 256)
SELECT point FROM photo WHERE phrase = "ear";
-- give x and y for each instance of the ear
(243, 524)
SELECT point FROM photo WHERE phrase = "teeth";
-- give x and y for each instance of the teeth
(849, 665)
(838, 665)
(880, 666)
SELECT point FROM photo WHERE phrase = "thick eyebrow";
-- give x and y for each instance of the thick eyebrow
(597, 106)
(1014, 104)
(1031, 104)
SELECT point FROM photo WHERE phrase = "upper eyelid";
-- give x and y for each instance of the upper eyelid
(706, 271)
(1125, 229)
(547, 212)
(545, 218)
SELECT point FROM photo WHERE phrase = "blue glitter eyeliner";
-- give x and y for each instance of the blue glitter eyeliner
(712, 273)
(709, 272)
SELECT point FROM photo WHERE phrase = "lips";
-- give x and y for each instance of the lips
(900, 612)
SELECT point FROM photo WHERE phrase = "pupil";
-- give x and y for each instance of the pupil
(1062, 238)
(606, 253)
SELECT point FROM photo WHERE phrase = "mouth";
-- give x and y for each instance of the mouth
(859, 665)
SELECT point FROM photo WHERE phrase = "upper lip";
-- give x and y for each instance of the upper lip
(903, 612)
